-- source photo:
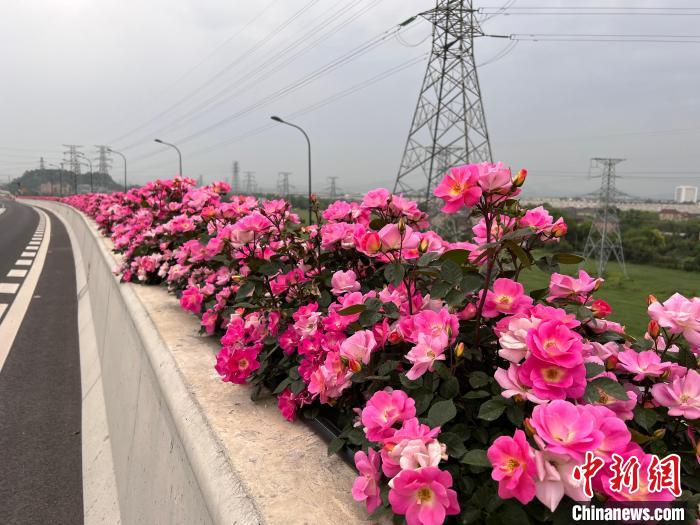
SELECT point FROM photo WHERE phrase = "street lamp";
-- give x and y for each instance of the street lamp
(308, 143)
(90, 163)
(60, 173)
(179, 155)
(124, 159)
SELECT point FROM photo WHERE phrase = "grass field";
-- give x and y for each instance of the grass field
(628, 296)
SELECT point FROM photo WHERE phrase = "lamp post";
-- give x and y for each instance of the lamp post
(179, 155)
(60, 168)
(90, 164)
(124, 159)
(308, 143)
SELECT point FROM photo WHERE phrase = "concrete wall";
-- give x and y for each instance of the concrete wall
(187, 448)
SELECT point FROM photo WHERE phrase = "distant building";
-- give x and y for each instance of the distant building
(687, 194)
(669, 214)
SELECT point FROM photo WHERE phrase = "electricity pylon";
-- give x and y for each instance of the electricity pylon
(604, 237)
(235, 179)
(250, 184)
(74, 162)
(333, 189)
(449, 125)
(283, 186)
(104, 160)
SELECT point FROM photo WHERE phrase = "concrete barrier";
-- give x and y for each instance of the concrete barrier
(187, 448)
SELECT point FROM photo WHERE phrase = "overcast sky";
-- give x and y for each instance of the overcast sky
(201, 73)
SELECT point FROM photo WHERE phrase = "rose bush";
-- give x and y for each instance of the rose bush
(449, 381)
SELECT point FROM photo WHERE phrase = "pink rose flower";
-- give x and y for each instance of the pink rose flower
(554, 342)
(459, 188)
(567, 287)
(384, 411)
(235, 364)
(425, 353)
(513, 467)
(551, 381)
(424, 496)
(642, 364)
(191, 299)
(681, 396)
(567, 429)
(344, 282)
(508, 297)
(366, 485)
(494, 178)
(358, 348)
(508, 380)
(679, 315)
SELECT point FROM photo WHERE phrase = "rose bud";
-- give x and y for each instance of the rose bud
(519, 178)
(423, 246)
(459, 349)
(611, 363)
(529, 428)
(402, 225)
(559, 229)
(653, 329)
(651, 300)
(600, 309)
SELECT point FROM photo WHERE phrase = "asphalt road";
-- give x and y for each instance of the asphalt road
(40, 397)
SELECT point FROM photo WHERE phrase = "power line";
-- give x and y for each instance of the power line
(267, 68)
(317, 105)
(246, 54)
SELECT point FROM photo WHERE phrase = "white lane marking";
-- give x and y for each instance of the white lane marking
(23, 262)
(34, 243)
(10, 288)
(28, 254)
(2, 210)
(3, 306)
(17, 273)
(15, 314)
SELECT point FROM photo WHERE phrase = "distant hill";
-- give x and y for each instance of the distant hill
(49, 181)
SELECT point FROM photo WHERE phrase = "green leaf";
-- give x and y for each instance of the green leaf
(387, 367)
(369, 318)
(594, 369)
(440, 289)
(353, 309)
(645, 417)
(335, 446)
(687, 359)
(455, 297)
(520, 233)
(410, 385)
(449, 388)
(454, 442)
(515, 415)
(492, 409)
(394, 273)
(441, 412)
(245, 290)
(478, 379)
(427, 258)
(458, 256)
(423, 399)
(608, 386)
(471, 281)
(297, 386)
(377, 224)
(519, 252)
(476, 458)
(568, 258)
(451, 272)
(476, 394)
(538, 294)
(284, 384)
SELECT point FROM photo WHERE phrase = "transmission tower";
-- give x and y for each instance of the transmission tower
(42, 165)
(283, 186)
(604, 237)
(449, 120)
(333, 189)
(73, 161)
(250, 184)
(104, 160)
(235, 179)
